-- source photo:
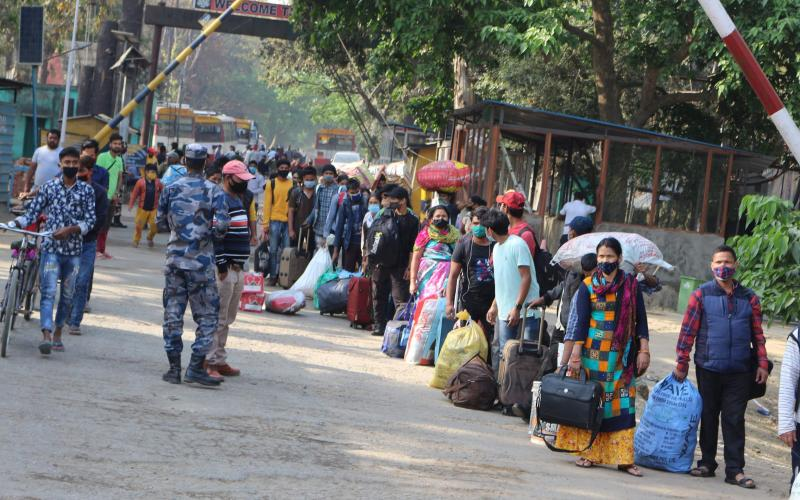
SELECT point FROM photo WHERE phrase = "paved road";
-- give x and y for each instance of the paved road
(319, 412)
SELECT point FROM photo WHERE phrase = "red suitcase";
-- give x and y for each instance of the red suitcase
(359, 302)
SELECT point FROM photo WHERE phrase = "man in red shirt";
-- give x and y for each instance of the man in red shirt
(512, 203)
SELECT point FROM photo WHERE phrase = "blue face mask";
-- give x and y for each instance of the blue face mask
(356, 197)
(309, 184)
(374, 208)
(479, 231)
(489, 237)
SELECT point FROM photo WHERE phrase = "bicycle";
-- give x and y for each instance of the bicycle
(27, 297)
(20, 274)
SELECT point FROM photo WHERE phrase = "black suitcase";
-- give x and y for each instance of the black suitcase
(519, 365)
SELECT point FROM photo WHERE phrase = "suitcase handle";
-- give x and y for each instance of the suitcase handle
(539, 349)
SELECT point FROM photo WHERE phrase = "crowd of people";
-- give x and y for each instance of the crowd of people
(479, 258)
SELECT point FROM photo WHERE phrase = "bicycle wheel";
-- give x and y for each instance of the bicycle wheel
(29, 292)
(9, 306)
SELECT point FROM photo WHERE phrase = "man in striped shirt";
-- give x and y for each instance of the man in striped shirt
(231, 253)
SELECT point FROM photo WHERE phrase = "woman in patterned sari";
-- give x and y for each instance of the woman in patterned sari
(611, 344)
(430, 262)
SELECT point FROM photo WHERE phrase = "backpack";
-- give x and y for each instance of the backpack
(472, 385)
(383, 241)
(548, 275)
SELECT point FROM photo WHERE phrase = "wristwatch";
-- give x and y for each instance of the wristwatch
(518, 307)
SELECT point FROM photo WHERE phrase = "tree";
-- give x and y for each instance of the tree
(654, 63)
(769, 256)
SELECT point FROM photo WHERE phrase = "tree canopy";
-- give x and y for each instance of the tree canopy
(645, 63)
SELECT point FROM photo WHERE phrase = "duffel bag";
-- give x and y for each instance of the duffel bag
(571, 402)
(332, 297)
(472, 385)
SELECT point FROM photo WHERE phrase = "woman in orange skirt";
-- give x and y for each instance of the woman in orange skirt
(609, 342)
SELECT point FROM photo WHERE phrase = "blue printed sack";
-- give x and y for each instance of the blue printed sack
(667, 433)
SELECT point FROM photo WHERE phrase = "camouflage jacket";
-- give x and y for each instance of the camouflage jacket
(188, 209)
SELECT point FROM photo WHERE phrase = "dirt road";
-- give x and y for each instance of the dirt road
(319, 412)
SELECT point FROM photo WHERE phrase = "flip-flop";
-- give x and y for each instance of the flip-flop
(630, 469)
(744, 482)
(45, 347)
(58, 346)
(584, 463)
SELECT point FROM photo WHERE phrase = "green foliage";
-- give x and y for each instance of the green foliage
(769, 257)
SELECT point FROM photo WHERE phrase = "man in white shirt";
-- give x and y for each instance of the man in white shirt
(45, 163)
(575, 208)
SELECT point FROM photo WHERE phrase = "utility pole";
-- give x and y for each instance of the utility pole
(68, 83)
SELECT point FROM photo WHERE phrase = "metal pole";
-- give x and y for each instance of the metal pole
(754, 74)
(70, 64)
(155, 52)
(210, 28)
(34, 77)
(180, 105)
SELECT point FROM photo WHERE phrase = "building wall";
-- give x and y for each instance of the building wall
(689, 252)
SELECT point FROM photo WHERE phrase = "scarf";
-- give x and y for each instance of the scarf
(626, 312)
(449, 236)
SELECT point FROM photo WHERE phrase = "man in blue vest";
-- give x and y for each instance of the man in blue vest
(724, 319)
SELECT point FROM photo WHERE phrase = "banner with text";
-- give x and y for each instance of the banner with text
(252, 8)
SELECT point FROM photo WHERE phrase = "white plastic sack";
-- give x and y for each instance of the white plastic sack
(423, 320)
(635, 249)
(320, 263)
(795, 494)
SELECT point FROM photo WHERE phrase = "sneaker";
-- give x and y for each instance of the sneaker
(75, 330)
(135, 244)
(151, 243)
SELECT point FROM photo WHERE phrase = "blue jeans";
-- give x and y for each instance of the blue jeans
(278, 240)
(82, 283)
(54, 267)
(512, 332)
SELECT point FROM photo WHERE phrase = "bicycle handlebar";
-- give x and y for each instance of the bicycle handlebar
(6, 227)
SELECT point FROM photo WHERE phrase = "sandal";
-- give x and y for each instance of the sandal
(745, 482)
(58, 346)
(702, 471)
(45, 347)
(584, 463)
(630, 469)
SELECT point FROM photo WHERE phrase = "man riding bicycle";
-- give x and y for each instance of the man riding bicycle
(69, 207)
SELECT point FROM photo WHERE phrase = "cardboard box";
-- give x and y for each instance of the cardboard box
(252, 302)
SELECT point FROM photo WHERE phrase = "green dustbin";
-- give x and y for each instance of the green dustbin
(688, 285)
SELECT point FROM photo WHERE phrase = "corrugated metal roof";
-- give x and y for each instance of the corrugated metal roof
(513, 114)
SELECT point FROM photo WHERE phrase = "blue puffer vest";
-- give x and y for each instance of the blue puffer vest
(723, 342)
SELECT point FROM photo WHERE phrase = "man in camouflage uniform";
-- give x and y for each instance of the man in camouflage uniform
(195, 211)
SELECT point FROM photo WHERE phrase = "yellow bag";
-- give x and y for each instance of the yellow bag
(461, 345)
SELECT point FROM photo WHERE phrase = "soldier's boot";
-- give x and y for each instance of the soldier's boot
(173, 375)
(196, 373)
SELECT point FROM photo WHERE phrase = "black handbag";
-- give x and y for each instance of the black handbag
(757, 390)
(571, 402)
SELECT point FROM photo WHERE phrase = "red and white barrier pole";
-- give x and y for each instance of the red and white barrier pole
(755, 75)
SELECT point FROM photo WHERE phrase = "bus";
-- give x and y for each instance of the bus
(211, 129)
(247, 132)
(173, 124)
(330, 141)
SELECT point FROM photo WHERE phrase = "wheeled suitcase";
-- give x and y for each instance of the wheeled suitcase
(293, 263)
(359, 302)
(519, 365)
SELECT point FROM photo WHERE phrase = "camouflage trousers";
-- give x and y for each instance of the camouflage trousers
(199, 290)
